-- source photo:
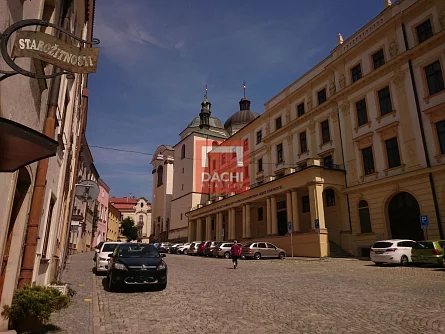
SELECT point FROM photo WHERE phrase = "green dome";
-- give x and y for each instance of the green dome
(213, 121)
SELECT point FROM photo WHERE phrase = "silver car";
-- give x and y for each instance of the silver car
(223, 250)
(193, 249)
(258, 250)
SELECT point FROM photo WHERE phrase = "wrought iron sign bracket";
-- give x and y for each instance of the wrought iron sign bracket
(6, 35)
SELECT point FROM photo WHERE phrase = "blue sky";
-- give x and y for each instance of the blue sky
(157, 56)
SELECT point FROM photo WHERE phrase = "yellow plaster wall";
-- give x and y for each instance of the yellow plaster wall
(439, 182)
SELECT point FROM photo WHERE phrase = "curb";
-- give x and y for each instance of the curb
(96, 313)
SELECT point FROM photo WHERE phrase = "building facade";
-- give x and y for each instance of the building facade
(353, 151)
(102, 212)
(138, 209)
(114, 220)
(34, 197)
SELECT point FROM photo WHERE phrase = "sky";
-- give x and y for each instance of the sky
(156, 56)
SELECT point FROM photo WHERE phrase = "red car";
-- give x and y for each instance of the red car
(202, 247)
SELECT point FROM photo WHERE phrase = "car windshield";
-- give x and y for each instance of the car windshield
(109, 247)
(138, 250)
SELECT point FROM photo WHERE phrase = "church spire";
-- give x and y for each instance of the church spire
(244, 104)
(204, 115)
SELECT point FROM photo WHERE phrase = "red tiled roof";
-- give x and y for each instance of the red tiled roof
(123, 200)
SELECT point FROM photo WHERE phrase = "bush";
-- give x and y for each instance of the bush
(34, 304)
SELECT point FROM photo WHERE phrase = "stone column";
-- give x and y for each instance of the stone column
(248, 227)
(273, 212)
(199, 230)
(218, 227)
(316, 205)
(244, 221)
(268, 217)
(295, 211)
(289, 207)
(230, 226)
(190, 231)
(209, 227)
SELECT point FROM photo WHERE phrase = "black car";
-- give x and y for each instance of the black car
(136, 264)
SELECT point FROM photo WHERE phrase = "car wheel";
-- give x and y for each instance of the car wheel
(111, 286)
(227, 255)
(281, 256)
(378, 264)
(257, 256)
(185, 252)
(404, 260)
(161, 287)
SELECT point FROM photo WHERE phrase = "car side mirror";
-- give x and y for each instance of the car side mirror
(163, 255)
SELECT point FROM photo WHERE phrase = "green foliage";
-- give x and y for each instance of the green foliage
(35, 302)
(129, 229)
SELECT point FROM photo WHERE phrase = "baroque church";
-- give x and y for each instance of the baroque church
(175, 191)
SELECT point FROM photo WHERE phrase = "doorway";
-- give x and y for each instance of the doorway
(404, 215)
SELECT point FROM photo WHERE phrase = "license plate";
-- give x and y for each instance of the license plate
(379, 252)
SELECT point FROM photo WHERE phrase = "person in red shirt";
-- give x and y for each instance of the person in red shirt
(236, 253)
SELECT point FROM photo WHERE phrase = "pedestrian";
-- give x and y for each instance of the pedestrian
(236, 253)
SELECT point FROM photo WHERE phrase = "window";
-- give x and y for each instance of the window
(424, 31)
(368, 161)
(392, 152)
(300, 109)
(440, 127)
(233, 153)
(281, 205)
(278, 123)
(434, 78)
(322, 96)
(182, 187)
(279, 153)
(362, 114)
(260, 214)
(378, 59)
(364, 217)
(182, 170)
(246, 145)
(303, 142)
(325, 135)
(356, 73)
(160, 176)
(385, 101)
(260, 165)
(183, 152)
(142, 205)
(305, 204)
(259, 136)
(262, 245)
(328, 161)
(141, 220)
(48, 228)
(181, 216)
(330, 197)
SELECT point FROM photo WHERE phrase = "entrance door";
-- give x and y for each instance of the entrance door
(282, 222)
(404, 215)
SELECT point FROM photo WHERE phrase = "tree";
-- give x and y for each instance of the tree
(129, 229)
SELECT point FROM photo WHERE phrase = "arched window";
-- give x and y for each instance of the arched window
(330, 197)
(183, 152)
(160, 175)
(365, 218)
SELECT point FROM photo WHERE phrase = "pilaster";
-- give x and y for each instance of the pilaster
(316, 205)
(295, 212)
(268, 216)
(208, 227)
(199, 230)
(273, 212)
(248, 227)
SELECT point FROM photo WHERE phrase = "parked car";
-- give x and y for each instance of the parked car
(395, 251)
(428, 252)
(223, 250)
(96, 250)
(183, 249)
(174, 248)
(210, 246)
(201, 247)
(136, 264)
(164, 247)
(193, 249)
(103, 256)
(258, 250)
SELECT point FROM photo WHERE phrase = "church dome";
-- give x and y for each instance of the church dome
(213, 122)
(241, 117)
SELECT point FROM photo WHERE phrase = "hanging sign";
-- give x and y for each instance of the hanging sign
(35, 44)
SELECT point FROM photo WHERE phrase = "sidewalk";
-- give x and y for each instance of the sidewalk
(78, 318)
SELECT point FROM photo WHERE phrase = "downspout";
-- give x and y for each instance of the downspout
(422, 132)
(38, 197)
(344, 164)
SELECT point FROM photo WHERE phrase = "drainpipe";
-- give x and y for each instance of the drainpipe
(38, 196)
(344, 164)
(422, 133)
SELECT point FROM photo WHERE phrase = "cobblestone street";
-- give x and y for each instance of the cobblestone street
(291, 296)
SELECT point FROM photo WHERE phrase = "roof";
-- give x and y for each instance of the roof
(213, 121)
(125, 203)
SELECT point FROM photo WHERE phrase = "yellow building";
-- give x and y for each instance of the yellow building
(354, 150)
(114, 220)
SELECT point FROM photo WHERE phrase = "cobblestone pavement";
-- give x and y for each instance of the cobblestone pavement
(78, 318)
(291, 296)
